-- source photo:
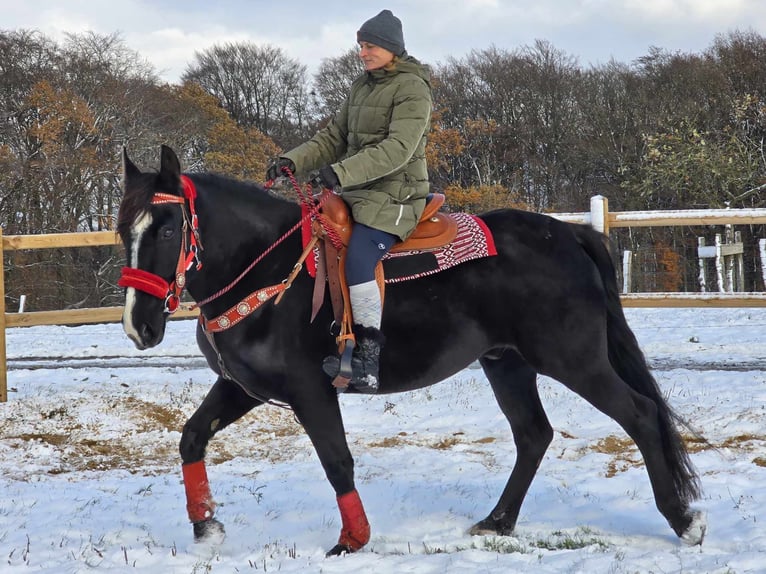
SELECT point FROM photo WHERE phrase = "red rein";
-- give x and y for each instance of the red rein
(156, 286)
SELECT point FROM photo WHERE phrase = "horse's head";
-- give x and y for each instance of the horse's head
(151, 223)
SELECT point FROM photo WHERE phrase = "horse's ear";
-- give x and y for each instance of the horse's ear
(129, 170)
(170, 167)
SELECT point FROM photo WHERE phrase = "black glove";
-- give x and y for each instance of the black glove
(275, 169)
(324, 177)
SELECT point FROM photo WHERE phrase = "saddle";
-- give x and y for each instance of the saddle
(433, 230)
(333, 227)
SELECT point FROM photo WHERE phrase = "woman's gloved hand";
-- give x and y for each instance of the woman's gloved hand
(275, 169)
(324, 177)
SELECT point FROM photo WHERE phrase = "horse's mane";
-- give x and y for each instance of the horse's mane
(216, 180)
(137, 199)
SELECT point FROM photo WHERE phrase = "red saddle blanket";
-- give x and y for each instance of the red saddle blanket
(473, 241)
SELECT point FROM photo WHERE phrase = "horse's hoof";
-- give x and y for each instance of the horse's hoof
(695, 532)
(209, 531)
(489, 527)
(339, 550)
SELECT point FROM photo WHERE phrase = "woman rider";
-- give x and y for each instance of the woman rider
(373, 153)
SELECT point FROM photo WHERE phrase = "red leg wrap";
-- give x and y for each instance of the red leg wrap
(199, 501)
(355, 532)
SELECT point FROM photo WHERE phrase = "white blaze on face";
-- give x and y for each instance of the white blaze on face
(136, 234)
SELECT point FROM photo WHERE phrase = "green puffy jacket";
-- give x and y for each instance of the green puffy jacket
(376, 145)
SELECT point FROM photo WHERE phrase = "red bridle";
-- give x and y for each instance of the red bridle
(154, 284)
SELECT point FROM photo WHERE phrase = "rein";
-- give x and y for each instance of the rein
(309, 209)
(307, 206)
(158, 287)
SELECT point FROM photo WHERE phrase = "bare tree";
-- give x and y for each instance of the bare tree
(333, 80)
(523, 127)
(259, 86)
(525, 101)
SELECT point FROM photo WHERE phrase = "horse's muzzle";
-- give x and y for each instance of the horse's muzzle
(144, 335)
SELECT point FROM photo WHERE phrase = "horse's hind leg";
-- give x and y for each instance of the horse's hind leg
(225, 403)
(514, 383)
(648, 421)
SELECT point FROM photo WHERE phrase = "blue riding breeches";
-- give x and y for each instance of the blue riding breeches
(366, 247)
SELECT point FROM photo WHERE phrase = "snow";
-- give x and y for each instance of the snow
(91, 476)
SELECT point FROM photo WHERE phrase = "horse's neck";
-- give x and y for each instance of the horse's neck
(245, 214)
(236, 227)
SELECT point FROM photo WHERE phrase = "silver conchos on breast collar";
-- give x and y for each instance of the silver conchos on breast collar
(248, 305)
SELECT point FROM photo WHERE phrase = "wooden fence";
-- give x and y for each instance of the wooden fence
(64, 317)
(598, 216)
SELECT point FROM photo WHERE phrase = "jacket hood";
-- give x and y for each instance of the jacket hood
(406, 65)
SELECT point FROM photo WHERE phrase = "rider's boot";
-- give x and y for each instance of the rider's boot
(365, 361)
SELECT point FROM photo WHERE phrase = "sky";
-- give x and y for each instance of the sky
(168, 33)
(91, 482)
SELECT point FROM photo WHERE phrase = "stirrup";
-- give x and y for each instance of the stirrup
(331, 366)
(340, 368)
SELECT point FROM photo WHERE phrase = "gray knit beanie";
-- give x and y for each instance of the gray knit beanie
(384, 30)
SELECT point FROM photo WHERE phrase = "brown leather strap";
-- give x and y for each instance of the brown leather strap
(297, 268)
(320, 282)
(332, 259)
(346, 333)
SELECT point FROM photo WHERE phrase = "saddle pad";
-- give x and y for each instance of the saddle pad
(473, 241)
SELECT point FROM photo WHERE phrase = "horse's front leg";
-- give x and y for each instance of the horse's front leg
(225, 403)
(322, 421)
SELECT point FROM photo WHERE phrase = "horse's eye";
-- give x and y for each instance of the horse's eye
(167, 232)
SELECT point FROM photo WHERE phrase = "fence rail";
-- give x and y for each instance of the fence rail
(598, 216)
(602, 219)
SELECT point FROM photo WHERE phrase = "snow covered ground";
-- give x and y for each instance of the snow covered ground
(91, 482)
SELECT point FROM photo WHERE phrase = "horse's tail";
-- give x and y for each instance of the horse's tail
(629, 362)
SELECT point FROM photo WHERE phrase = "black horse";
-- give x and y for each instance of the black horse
(547, 303)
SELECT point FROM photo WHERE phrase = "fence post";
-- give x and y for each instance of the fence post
(719, 264)
(627, 270)
(762, 252)
(739, 263)
(3, 362)
(599, 213)
(701, 261)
